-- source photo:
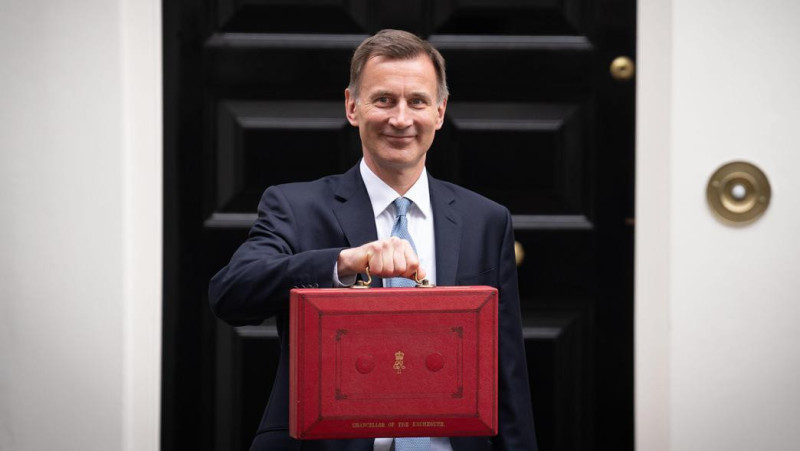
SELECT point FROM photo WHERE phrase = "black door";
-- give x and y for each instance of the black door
(254, 97)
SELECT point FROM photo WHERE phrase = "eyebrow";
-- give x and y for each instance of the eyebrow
(421, 94)
(382, 93)
(387, 93)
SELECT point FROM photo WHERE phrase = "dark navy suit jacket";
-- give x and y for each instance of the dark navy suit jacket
(295, 242)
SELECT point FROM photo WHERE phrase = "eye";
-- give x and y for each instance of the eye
(418, 102)
(383, 100)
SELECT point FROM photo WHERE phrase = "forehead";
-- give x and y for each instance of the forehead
(381, 73)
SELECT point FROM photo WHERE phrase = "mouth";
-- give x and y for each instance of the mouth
(399, 137)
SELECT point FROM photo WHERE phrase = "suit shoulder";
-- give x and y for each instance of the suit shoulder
(312, 189)
(468, 199)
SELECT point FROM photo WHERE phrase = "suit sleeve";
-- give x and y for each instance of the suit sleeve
(256, 282)
(515, 411)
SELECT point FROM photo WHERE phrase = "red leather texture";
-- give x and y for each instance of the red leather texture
(393, 362)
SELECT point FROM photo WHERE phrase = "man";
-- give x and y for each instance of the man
(326, 232)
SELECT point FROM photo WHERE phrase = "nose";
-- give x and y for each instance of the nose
(401, 117)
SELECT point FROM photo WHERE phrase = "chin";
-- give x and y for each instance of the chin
(406, 160)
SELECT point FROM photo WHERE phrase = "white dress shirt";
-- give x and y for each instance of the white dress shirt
(420, 215)
(420, 227)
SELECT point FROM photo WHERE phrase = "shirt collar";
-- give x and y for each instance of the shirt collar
(382, 195)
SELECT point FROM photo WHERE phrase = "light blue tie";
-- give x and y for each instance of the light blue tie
(412, 444)
(400, 230)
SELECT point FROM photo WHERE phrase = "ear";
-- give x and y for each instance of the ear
(440, 113)
(350, 108)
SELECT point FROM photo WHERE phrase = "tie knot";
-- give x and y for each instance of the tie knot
(401, 204)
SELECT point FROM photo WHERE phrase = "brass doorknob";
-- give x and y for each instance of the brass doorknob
(738, 192)
(519, 252)
(622, 68)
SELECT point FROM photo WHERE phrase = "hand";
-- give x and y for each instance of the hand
(391, 257)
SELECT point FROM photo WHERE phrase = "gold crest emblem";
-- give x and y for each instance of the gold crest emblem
(398, 362)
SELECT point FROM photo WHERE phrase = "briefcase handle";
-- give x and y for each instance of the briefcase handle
(424, 283)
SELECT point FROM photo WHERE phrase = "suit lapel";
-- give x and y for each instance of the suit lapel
(447, 231)
(353, 210)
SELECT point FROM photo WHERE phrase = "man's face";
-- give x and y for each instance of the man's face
(396, 112)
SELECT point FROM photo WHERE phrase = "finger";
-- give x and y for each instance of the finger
(375, 260)
(400, 257)
(387, 258)
(366, 261)
(412, 264)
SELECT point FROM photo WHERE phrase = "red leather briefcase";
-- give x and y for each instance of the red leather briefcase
(393, 362)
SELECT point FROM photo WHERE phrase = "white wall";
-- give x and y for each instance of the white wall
(80, 235)
(717, 342)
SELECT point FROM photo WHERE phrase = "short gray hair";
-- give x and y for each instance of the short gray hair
(397, 44)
